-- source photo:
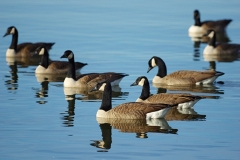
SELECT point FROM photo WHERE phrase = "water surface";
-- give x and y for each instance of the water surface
(40, 119)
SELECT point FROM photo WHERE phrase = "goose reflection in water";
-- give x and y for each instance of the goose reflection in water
(207, 88)
(88, 96)
(184, 114)
(139, 126)
(68, 116)
(12, 83)
(24, 61)
(42, 93)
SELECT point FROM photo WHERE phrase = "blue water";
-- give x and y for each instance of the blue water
(39, 121)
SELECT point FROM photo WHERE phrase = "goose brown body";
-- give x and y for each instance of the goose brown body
(133, 110)
(182, 77)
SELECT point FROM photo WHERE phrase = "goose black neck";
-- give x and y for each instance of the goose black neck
(14, 42)
(197, 22)
(145, 90)
(162, 69)
(212, 41)
(71, 71)
(107, 98)
(45, 60)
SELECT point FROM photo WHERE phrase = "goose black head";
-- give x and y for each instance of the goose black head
(68, 54)
(196, 14)
(140, 81)
(10, 30)
(151, 63)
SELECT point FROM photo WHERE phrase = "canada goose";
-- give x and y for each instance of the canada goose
(182, 77)
(214, 48)
(202, 27)
(53, 67)
(23, 49)
(183, 100)
(88, 80)
(131, 110)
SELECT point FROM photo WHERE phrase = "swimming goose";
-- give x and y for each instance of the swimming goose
(202, 27)
(182, 77)
(214, 48)
(183, 100)
(53, 67)
(23, 49)
(88, 80)
(131, 110)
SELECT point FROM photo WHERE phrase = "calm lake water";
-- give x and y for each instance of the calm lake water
(41, 120)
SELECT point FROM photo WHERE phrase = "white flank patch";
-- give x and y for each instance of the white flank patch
(40, 69)
(12, 31)
(153, 63)
(196, 29)
(158, 114)
(10, 53)
(101, 113)
(42, 51)
(70, 56)
(188, 104)
(207, 81)
(69, 82)
(141, 83)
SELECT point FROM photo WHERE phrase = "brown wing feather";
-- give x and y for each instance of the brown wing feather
(92, 79)
(135, 110)
(170, 98)
(188, 77)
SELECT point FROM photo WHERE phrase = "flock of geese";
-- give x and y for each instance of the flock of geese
(147, 106)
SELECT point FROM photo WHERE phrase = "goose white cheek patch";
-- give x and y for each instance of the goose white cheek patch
(140, 83)
(42, 51)
(12, 31)
(70, 56)
(153, 63)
